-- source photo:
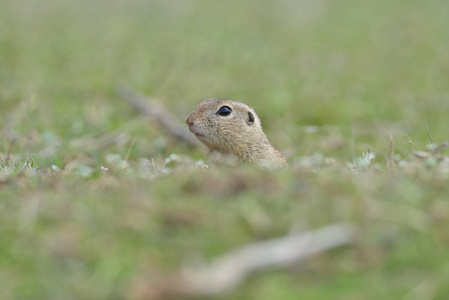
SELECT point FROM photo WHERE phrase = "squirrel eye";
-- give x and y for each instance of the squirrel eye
(224, 111)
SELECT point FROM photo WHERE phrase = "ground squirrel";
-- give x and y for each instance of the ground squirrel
(233, 129)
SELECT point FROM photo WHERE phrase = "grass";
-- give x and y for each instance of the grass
(89, 204)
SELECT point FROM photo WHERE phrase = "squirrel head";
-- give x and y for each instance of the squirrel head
(224, 125)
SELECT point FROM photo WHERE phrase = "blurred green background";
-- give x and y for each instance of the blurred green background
(328, 79)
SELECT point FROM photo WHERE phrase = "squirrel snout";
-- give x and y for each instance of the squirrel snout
(189, 122)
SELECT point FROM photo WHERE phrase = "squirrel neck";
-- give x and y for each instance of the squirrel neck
(254, 149)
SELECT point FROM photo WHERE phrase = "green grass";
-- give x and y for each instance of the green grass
(329, 79)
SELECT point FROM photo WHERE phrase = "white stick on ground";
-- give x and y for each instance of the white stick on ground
(228, 271)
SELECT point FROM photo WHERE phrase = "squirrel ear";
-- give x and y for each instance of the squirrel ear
(250, 119)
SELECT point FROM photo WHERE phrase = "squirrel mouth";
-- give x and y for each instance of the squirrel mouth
(197, 134)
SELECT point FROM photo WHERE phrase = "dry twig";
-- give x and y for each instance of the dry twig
(430, 138)
(8, 155)
(390, 137)
(436, 150)
(157, 112)
(33, 165)
(228, 271)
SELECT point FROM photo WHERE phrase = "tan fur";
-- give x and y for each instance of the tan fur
(234, 135)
